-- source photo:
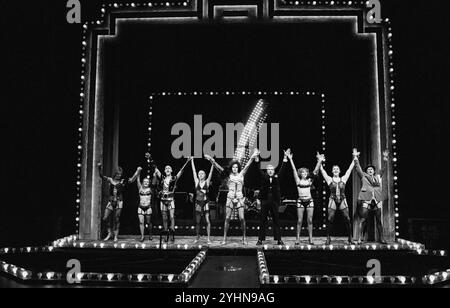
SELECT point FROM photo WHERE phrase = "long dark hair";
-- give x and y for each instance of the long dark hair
(235, 162)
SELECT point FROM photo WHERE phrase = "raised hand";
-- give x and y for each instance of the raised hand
(208, 157)
(320, 157)
(256, 153)
(355, 154)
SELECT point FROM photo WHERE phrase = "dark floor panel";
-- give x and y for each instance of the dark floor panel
(353, 263)
(227, 272)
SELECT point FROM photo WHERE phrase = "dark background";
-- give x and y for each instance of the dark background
(321, 56)
(41, 71)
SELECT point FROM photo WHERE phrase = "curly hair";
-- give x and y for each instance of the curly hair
(235, 162)
(299, 171)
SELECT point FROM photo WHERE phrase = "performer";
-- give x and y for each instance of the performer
(337, 197)
(304, 181)
(201, 199)
(146, 194)
(167, 188)
(370, 196)
(270, 197)
(115, 204)
(235, 197)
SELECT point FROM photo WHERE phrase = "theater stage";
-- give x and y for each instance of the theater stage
(185, 264)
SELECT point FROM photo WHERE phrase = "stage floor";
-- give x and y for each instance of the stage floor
(234, 243)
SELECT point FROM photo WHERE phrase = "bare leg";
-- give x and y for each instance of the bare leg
(228, 213)
(363, 214)
(172, 223)
(198, 220)
(243, 225)
(300, 212)
(310, 215)
(208, 227)
(148, 219)
(348, 225)
(330, 221)
(107, 220)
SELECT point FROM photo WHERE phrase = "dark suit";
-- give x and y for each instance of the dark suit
(270, 197)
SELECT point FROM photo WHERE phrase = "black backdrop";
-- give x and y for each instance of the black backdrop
(322, 57)
(40, 98)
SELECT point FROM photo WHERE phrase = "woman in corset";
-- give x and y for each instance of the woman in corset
(370, 197)
(305, 203)
(337, 201)
(201, 199)
(235, 197)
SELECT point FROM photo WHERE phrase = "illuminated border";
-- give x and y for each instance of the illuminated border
(268, 280)
(84, 277)
(322, 96)
(201, 9)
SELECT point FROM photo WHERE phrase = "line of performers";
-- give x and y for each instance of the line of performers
(163, 185)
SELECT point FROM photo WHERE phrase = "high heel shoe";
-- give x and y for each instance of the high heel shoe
(166, 236)
(172, 235)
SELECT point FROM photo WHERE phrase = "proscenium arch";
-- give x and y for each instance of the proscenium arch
(95, 33)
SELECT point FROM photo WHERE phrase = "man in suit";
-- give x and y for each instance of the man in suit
(270, 198)
(371, 195)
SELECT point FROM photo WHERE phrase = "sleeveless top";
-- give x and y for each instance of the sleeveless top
(337, 190)
(168, 184)
(145, 195)
(235, 186)
(304, 189)
(201, 193)
(116, 190)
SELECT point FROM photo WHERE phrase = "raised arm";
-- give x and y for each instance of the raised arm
(358, 168)
(250, 161)
(349, 172)
(294, 168)
(208, 180)
(136, 176)
(180, 173)
(214, 163)
(194, 172)
(384, 163)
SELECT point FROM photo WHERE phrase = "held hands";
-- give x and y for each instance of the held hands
(255, 154)
(355, 154)
(209, 157)
(320, 157)
(386, 155)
